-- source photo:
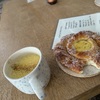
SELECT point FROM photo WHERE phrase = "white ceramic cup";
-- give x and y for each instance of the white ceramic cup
(97, 2)
(36, 80)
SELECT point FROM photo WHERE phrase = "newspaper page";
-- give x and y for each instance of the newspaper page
(66, 26)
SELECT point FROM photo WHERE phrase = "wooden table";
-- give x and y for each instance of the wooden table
(34, 24)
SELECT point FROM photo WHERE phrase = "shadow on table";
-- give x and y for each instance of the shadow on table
(97, 97)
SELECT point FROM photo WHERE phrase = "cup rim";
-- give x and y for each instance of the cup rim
(4, 67)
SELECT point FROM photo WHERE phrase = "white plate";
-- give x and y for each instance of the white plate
(89, 71)
(97, 2)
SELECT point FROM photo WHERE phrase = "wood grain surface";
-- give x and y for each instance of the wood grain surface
(34, 24)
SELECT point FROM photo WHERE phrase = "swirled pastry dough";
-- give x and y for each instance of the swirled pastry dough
(75, 51)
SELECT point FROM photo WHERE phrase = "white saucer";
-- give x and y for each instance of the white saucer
(97, 2)
(89, 71)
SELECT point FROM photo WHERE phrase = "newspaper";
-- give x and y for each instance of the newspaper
(66, 26)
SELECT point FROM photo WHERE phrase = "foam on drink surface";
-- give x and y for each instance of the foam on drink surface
(24, 65)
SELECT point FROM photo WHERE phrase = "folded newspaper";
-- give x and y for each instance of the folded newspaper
(66, 26)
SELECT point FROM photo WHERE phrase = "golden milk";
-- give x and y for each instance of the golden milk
(24, 65)
(82, 45)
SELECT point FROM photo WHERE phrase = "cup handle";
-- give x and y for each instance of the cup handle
(37, 88)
